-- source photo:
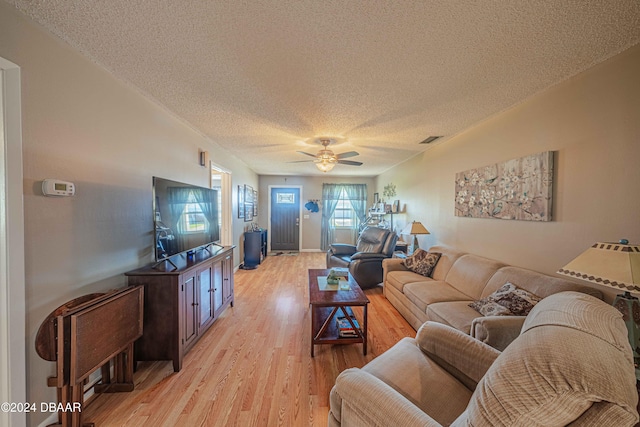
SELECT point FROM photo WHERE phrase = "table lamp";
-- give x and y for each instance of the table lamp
(414, 228)
(616, 265)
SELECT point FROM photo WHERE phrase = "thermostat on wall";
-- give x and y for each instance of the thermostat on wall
(55, 187)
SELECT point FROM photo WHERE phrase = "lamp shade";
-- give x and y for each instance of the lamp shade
(616, 265)
(415, 227)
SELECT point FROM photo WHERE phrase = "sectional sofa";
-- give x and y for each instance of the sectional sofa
(459, 279)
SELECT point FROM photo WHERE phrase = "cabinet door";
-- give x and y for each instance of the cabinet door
(205, 288)
(227, 278)
(217, 285)
(190, 308)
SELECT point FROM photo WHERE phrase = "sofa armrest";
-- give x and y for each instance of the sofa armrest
(362, 399)
(342, 249)
(392, 264)
(497, 331)
(462, 356)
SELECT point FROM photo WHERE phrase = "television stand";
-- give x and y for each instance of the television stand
(182, 304)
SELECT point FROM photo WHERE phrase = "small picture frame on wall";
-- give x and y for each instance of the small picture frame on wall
(248, 203)
(240, 201)
(255, 203)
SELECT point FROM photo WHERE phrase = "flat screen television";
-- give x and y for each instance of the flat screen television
(186, 217)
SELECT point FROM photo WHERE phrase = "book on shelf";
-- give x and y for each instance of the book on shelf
(345, 329)
(348, 334)
(345, 325)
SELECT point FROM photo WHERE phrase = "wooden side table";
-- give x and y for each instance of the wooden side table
(401, 247)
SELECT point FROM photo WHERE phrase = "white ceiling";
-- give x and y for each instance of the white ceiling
(264, 79)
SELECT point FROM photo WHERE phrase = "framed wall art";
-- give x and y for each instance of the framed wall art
(255, 203)
(519, 189)
(248, 203)
(240, 201)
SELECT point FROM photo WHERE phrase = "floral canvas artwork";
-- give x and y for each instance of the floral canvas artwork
(519, 189)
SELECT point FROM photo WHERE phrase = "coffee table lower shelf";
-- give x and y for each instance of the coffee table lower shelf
(325, 331)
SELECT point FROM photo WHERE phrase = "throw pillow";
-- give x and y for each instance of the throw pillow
(422, 262)
(509, 300)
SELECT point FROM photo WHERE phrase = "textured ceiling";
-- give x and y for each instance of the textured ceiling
(263, 79)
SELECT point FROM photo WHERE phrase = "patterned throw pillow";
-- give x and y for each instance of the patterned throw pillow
(422, 262)
(509, 300)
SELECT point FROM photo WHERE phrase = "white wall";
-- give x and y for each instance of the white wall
(80, 124)
(591, 121)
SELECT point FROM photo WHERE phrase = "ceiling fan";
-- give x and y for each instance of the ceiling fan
(326, 159)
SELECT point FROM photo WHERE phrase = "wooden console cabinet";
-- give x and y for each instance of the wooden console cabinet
(182, 299)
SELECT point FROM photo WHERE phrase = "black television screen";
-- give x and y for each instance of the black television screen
(186, 217)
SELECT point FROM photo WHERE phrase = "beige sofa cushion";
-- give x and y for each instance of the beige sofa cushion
(470, 274)
(534, 282)
(561, 364)
(423, 294)
(447, 258)
(457, 314)
(399, 279)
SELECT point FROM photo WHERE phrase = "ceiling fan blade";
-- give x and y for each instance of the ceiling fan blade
(347, 154)
(308, 154)
(349, 162)
(301, 161)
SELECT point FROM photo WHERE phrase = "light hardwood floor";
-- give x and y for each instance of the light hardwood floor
(253, 367)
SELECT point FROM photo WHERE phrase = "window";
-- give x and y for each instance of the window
(193, 219)
(287, 198)
(343, 216)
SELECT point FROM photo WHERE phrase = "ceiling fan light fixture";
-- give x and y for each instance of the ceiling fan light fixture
(327, 156)
(326, 159)
(325, 166)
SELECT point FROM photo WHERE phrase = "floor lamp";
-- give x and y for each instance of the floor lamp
(615, 265)
(414, 228)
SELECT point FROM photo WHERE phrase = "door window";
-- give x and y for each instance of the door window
(286, 198)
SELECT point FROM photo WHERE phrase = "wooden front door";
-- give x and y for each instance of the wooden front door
(285, 219)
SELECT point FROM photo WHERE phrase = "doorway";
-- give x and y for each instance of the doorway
(221, 181)
(12, 282)
(284, 218)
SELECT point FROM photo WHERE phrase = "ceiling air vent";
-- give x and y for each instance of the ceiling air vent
(430, 139)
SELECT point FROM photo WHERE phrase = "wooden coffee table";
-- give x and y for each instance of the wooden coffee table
(325, 304)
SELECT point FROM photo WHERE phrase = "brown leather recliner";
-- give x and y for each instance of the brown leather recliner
(364, 260)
